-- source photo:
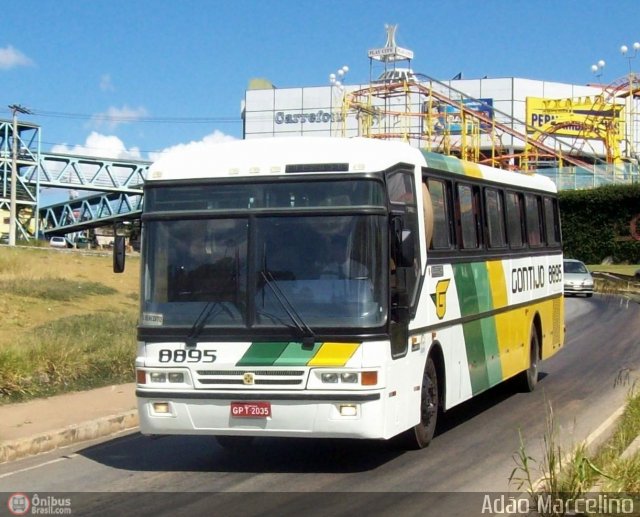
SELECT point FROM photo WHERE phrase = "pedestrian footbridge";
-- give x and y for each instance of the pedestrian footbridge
(98, 191)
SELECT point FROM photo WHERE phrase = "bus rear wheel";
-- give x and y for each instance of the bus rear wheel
(529, 378)
(422, 433)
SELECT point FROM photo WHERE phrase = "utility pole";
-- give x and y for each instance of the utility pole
(15, 108)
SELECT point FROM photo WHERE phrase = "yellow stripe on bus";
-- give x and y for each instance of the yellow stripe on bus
(512, 354)
(333, 354)
(497, 282)
(511, 346)
(471, 169)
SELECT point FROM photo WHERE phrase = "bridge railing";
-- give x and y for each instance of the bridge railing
(576, 178)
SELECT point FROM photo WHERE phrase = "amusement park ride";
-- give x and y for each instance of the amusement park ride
(595, 130)
(597, 133)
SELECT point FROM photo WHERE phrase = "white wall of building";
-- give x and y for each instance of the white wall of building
(317, 111)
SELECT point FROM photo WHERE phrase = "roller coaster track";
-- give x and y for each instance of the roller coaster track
(359, 102)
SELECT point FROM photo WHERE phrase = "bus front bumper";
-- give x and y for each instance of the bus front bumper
(309, 414)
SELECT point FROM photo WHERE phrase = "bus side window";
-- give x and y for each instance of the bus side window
(533, 217)
(469, 216)
(494, 212)
(515, 222)
(402, 197)
(441, 214)
(551, 221)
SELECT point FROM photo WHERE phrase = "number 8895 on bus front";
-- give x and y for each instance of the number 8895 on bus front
(193, 355)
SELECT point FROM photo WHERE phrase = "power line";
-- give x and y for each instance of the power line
(138, 119)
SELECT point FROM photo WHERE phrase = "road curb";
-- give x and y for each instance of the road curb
(11, 450)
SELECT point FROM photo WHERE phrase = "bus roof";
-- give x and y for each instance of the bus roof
(271, 156)
(476, 170)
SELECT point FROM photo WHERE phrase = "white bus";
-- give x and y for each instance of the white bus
(329, 287)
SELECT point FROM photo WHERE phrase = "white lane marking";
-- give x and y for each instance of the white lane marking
(39, 465)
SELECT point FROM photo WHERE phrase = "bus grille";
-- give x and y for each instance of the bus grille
(250, 379)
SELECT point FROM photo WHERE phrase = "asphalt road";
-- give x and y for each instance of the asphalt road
(474, 450)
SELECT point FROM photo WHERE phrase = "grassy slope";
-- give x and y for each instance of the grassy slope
(623, 269)
(68, 321)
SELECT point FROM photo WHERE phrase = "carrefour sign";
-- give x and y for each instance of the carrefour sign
(313, 117)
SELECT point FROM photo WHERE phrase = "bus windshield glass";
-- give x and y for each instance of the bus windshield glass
(263, 252)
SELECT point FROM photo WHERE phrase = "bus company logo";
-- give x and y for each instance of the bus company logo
(440, 298)
(18, 503)
(248, 378)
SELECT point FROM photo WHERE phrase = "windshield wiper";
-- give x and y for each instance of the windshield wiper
(308, 337)
(201, 321)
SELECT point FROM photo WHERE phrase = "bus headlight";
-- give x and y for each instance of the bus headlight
(151, 377)
(349, 377)
(157, 377)
(176, 377)
(330, 378)
(346, 379)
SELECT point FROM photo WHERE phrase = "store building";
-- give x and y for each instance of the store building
(508, 122)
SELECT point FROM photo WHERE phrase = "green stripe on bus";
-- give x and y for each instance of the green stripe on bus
(466, 288)
(295, 355)
(473, 341)
(489, 329)
(491, 350)
(483, 286)
(481, 341)
(262, 354)
(447, 163)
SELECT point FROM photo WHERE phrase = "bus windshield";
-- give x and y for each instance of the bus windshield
(258, 267)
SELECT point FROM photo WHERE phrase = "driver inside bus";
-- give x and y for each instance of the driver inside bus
(339, 264)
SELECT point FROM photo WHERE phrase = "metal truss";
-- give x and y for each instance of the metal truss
(90, 212)
(89, 173)
(27, 138)
(118, 181)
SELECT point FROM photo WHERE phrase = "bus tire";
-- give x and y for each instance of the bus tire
(528, 379)
(419, 436)
(234, 443)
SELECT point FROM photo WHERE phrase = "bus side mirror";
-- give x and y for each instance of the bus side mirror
(118, 253)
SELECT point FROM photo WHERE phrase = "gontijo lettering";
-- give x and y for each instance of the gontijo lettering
(527, 278)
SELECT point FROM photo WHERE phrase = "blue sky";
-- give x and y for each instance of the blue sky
(82, 66)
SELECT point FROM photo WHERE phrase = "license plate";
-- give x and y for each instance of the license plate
(251, 409)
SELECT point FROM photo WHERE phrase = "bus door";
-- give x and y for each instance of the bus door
(404, 257)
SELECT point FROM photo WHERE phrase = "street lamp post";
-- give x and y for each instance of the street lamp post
(15, 108)
(598, 68)
(624, 50)
(336, 80)
(631, 123)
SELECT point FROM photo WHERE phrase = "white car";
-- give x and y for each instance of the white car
(577, 278)
(58, 242)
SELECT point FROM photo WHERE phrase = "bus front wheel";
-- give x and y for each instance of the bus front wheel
(422, 433)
